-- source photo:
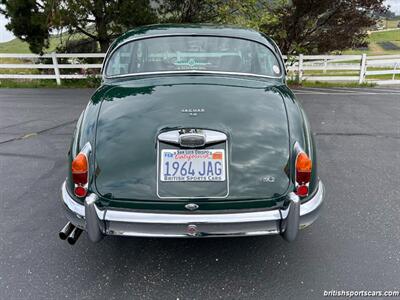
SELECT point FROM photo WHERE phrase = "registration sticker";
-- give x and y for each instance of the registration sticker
(192, 165)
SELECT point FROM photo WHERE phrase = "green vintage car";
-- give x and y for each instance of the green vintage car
(193, 133)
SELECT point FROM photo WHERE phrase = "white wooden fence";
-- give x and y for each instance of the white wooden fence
(55, 66)
(334, 67)
(302, 67)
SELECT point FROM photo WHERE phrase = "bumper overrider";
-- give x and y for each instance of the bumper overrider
(97, 222)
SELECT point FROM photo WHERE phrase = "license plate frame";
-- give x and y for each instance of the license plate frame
(192, 165)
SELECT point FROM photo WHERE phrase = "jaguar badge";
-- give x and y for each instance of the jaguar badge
(193, 111)
(191, 206)
(192, 230)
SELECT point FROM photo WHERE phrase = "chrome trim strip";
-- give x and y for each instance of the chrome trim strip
(171, 136)
(109, 55)
(212, 136)
(190, 72)
(177, 235)
(156, 218)
(86, 149)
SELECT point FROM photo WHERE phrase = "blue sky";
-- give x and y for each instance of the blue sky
(395, 5)
(6, 35)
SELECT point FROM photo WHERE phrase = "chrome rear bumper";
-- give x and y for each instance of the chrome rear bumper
(99, 222)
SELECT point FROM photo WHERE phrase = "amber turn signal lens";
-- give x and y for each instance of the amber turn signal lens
(303, 168)
(303, 163)
(80, 169)
(80, 164)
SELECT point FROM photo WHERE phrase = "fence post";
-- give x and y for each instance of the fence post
(363, 68)
(325, 65)
(56, 69)
(300, 68)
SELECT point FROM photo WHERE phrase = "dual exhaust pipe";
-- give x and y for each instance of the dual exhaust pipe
(70, 232)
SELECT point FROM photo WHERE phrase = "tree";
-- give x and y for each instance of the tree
(208, 11)
(307, 26)
(186, 11)
(28, 21)
(320, 26)
(98, 20)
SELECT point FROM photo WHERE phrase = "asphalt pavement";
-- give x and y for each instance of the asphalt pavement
(354, 245)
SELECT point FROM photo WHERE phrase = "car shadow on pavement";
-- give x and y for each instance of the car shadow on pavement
(136, 263)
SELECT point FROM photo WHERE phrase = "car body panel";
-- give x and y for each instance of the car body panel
(133, 115)
(125, 115)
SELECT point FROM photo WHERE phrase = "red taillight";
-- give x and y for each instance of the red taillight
(80, 191)
(303, 173)
(80, 171)
(302, 190)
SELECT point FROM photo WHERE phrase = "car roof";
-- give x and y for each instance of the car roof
(185, 29)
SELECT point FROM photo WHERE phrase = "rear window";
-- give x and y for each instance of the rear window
(188, 53)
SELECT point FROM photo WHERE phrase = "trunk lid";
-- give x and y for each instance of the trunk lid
(250, 112)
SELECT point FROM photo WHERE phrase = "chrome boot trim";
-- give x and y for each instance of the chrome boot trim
(210, 136)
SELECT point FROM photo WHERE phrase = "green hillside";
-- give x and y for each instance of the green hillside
(380, 43)
(18, 46)
(14, 46)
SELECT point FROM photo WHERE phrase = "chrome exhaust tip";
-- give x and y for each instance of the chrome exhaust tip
(74, 235)
(65, 232)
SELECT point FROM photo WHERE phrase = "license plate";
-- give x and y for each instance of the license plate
(192, 165)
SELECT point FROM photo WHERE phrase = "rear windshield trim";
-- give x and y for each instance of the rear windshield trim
(110, 53)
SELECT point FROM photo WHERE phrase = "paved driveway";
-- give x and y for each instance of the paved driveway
(355, 245)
